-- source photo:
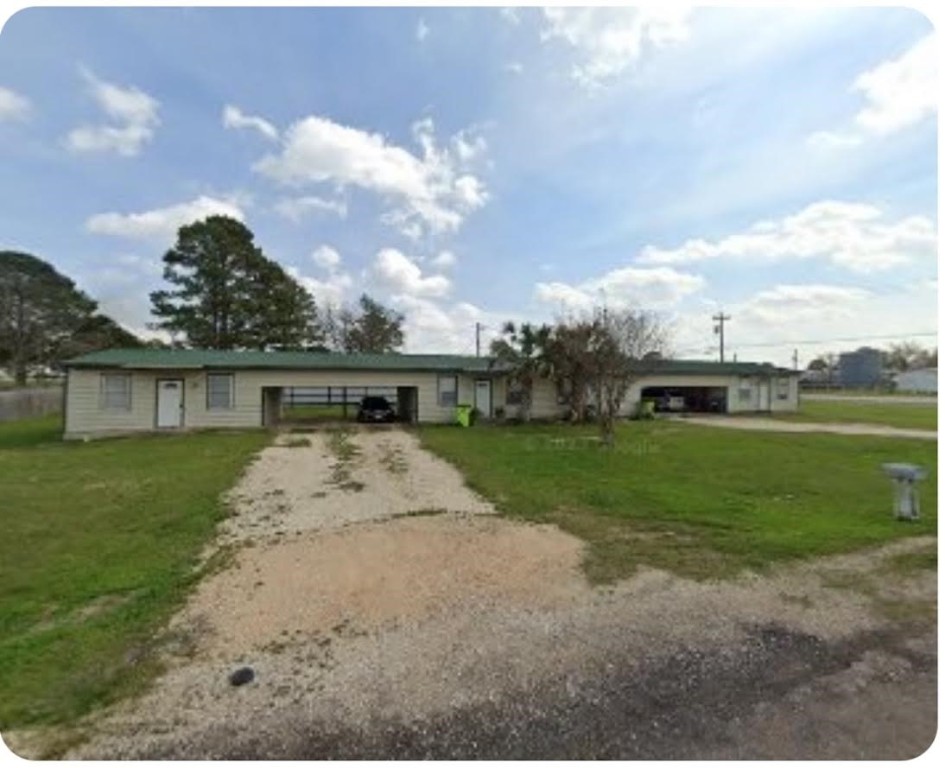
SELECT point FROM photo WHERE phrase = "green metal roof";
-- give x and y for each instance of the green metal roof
(179, 359)
(231, 359)
(711, 367)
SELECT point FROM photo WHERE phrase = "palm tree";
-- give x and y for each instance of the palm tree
(522, 350)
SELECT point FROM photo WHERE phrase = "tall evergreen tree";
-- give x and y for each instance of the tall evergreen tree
(44, 318)
(227, 295)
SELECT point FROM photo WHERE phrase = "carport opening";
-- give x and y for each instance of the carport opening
(687, 399)
(342, 403)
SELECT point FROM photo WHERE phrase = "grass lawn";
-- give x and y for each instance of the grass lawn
(701, 502)
(317, 413)
(904, 415)
(99, 547)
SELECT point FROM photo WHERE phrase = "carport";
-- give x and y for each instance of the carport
(687, 399)
(301, 404)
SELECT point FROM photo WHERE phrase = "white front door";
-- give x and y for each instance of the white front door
(170, 403)
(764, 395)
(484, 397)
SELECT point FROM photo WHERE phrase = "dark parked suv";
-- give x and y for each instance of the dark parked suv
(376, 409)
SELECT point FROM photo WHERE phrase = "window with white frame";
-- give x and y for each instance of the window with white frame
(446, 387)
(219, 391)
(744, 390)
(514, 393)
(784, 388)
(116, 391)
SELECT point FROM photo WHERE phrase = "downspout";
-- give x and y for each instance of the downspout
(65, 401)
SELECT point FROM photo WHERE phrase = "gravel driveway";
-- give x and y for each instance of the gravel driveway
(760, 423)
(388, 613)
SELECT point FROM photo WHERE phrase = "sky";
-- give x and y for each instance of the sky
(478, 165)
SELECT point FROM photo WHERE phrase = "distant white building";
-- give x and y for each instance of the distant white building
(920, 380)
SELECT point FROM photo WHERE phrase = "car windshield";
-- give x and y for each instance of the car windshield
(374, 403)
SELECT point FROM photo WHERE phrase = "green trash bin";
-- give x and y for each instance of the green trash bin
(463, 415)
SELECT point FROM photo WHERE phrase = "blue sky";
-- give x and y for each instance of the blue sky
(470, 165)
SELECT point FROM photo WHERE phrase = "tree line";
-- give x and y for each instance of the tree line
(899, 357)
(222, 292)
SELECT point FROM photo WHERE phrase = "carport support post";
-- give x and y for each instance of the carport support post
(344, 401)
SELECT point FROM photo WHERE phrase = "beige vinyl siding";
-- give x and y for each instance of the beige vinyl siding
(85, 416)
(85, 411)
(791, 402)
(544, 399)
(248, 386)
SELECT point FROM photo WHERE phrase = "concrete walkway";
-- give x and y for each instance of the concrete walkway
(760, 423)
(888, 399)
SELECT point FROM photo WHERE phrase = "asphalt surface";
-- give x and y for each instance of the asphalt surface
(777, 695)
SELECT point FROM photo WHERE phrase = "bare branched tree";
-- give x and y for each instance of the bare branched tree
(621, 351)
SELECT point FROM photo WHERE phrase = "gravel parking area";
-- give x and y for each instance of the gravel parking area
(386, 613)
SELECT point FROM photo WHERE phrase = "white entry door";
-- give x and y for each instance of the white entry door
(764, 395)
(170, 403)
(484, 397)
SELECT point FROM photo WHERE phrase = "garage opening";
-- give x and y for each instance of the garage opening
(328, 404)
(669, 399)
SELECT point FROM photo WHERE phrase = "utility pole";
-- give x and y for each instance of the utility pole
(719, 328)
(795, 359)
(478, 329)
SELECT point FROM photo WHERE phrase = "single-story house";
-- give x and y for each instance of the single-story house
(923, 380)
(119, 391)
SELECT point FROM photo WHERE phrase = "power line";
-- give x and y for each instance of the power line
(923, 334)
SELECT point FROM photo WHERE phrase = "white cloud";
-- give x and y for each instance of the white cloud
(297, 208)
(444, 260)
(798, 303)
(326, 257)
(161, 223)
(134, 116)
(511, 15)
(450, 328)
(468, 146)
(13, 106)
(403, 277)
(609, 41)
(422, 31)
(898, 93)
(427, 192)
(851, 235)
(771, 323)
(233, 117)
(330, 292)
(650, 288)
(834, 140)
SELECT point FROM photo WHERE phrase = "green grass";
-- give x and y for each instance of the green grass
(100, 545)
(317, 413)
(861, 392)
(903, 415)
(30, 432)
(702, 502)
